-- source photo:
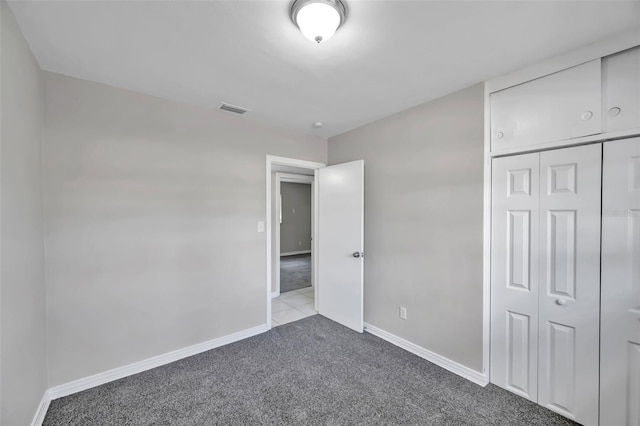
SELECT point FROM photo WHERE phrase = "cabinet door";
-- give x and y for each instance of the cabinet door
(514, 274)
(620, 380)
(556, 107)
(569, 299)
(621, 90)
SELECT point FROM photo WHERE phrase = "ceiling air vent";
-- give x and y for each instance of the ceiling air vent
(233, 108)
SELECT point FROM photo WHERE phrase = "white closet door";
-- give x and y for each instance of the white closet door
(569, 302)
(514, 274)
(620, 382)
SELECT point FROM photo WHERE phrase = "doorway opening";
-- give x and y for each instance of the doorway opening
(337, 242)
(293, 298)
(293, 232)
(296, 298)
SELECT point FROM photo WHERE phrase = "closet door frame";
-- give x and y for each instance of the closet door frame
(600, 49)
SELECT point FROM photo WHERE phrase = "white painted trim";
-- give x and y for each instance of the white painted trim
(275, 294)
(486, 251)
(584, 140)
(303, 164)
(293, 178)
(315, 204)
(578, 56)
(147, 364)
(276, 236)
(270, 161)
(41, 412)
(294, 253)
(454, 367)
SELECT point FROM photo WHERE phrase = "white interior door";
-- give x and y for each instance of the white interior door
(341, 243)
(569, 292)
(620, 350)
(514, 274)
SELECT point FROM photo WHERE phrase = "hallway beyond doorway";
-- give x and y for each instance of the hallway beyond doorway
(295, 272)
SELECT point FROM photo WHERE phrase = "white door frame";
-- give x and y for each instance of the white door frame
(304, 180)
(486, 252)
(284, 161)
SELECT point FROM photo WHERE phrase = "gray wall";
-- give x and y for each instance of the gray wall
(423, 222)
(148, 203)
(151, 220)
(295, 229)
(22, 293)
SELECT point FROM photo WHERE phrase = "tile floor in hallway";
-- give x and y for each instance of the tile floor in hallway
(292, 306)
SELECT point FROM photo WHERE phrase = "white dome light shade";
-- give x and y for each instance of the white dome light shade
(318, 19)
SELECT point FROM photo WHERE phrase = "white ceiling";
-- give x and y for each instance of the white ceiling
(389, 55)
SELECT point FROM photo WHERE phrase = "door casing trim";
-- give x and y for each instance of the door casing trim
(272, 160)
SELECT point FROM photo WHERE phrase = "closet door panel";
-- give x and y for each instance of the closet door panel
(514, 286)
(569, 299)
(621, 90)
(620, 335)
(560, 106)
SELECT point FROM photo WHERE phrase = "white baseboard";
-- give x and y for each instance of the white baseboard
(293, 253)
(147, 364)
(275, 294)
(42, 409)
(456, 368)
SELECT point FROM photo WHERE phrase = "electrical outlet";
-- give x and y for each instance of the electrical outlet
(260, 226)
(403, 313)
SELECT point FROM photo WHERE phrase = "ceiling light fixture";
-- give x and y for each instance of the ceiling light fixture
(318, 19)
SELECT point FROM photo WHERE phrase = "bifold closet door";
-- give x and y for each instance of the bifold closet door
(514, 274)
(620, 352)
(569, 281)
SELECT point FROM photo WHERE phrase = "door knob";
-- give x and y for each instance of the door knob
(561, 302)
(358, 254)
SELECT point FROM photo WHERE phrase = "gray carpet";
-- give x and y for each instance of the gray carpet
(295, 272)
(310, 372)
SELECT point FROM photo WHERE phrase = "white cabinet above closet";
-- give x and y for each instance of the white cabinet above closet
(621, 90)
(559, 106)
(575, 99)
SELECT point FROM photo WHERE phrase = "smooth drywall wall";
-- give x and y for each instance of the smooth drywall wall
(295, 229)
(22, 292)
(151, 215)
(423, 222)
